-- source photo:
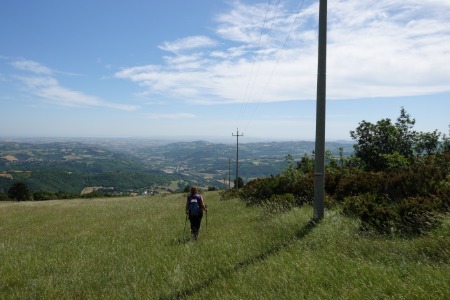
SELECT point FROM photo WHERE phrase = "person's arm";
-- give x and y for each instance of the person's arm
(203, 204)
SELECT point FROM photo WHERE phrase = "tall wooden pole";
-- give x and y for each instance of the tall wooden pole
(319, 159)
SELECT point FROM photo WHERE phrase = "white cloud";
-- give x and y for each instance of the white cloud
(31, 66)
(380, 48)
(188, 43)
(230, 53)
(242, 23)
(63, 96)
(48, 88)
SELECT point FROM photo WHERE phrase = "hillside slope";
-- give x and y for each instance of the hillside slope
(135, 248)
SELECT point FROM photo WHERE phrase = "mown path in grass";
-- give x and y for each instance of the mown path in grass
(134, 248)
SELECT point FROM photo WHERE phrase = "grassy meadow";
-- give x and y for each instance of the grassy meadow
(134, 248)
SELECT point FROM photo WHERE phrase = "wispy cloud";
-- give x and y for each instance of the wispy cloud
(376, 48)
(47, 87)
(31, 66)
(188, 43)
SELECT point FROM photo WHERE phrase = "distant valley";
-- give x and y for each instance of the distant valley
(139, 166)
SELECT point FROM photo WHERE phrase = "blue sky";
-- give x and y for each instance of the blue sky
(201, 69)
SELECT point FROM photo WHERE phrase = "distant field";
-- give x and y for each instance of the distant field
(134, 248)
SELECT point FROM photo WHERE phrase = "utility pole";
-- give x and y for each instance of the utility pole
(319, 159)
(229, 173)
(237, 157)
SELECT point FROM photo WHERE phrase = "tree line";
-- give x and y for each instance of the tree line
(19, 191)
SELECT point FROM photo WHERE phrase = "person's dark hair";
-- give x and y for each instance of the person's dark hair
(194, 190)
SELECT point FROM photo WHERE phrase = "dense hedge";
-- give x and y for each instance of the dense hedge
(409, 216)
(406, 201)
(260, 190)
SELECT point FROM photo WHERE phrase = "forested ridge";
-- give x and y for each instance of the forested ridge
(72, 166)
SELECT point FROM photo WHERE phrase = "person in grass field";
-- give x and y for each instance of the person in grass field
(195, 205)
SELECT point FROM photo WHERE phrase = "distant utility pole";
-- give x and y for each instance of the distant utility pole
(319, 159)
(229, 173)
(237, 157)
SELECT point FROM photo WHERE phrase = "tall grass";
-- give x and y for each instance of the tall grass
(135, 248)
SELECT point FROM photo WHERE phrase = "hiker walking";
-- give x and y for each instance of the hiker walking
(194, 210)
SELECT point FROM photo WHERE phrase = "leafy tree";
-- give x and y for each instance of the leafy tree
(405, 136)
(377, 144)
(395, 162)
(427, 142)
(240, 182)
(3, 196)
(445, 146)
(19, 191)
(372, 141)
(290, 171)
(306, 164)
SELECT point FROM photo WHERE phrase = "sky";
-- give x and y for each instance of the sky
(206, 69)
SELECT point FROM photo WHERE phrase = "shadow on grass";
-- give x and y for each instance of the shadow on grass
(304, 231)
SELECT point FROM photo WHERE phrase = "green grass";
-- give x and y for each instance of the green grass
(134, 248)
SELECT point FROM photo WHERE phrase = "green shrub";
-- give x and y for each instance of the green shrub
(260, 190)
(416, 215)
(357, 183)
(409, 216)
(420, 179)
(443, 193)
(374, 212)
(332, 181)
(330, 201)
(228, 195)
(66, 195)
(44, 195)
(395, 162)
(280, 203)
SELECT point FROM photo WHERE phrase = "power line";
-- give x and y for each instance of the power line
(248, 90)
(276, 63)
(254, 58)
(261, 57)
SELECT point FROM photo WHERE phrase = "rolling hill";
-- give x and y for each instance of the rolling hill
(140, 166)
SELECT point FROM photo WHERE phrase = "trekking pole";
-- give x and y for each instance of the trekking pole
(206, 229)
